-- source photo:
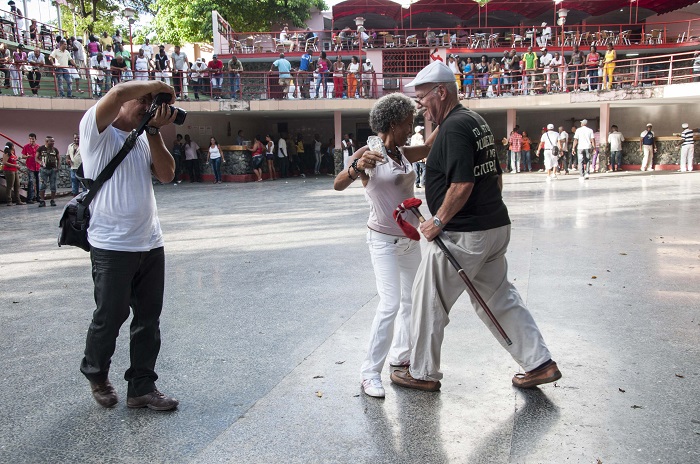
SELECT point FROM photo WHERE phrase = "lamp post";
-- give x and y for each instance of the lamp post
(129, 14)
(359, 22)
(563, 12)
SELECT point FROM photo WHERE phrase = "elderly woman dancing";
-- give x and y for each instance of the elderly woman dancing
(395, 258)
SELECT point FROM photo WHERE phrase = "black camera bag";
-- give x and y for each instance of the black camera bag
(75, 220)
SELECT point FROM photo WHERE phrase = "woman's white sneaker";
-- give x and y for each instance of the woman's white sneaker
(373, 387)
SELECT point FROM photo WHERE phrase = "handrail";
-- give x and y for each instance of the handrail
(623, 35)
(43, 34)
(629, 73)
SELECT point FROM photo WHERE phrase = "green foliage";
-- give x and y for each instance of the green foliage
(178, 21)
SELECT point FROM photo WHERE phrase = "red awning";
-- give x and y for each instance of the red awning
(466, 9)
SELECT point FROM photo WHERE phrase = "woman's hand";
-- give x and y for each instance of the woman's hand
(369, 159)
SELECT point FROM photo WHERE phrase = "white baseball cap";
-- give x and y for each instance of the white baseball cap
(550, 126)
(435, 72)
(684, 125)
(584, 122)
(418, 129)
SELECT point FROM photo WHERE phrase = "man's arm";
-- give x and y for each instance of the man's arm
(414, 154)
(162, 162)
(109, 106)
(455, 198)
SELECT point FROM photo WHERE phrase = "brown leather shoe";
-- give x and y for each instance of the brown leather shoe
(104, 393)
(405, 379)
(547, 374)
(154, 400)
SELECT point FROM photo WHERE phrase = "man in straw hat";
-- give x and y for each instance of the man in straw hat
(463, 192)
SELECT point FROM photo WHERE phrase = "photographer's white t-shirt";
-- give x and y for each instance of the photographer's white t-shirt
(123, 215)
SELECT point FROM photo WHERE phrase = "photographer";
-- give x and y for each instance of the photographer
(128, 260)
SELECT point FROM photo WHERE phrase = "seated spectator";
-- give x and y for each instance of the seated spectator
(285, 39)
(546, 35)
(430, 38)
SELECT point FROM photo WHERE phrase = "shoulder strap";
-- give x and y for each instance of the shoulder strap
(108, 171)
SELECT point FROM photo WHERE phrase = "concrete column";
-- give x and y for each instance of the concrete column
(337, 120)
(510, 120)
(604, 130)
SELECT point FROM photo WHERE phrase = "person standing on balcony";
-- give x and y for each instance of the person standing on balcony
(353, 73)
(575, 63)
(609, 67)
(592, 61)
(530, 60)
(19, 58)
(235, 67)
(304, 78)
(546, 63)
(647, 145)
(162, 65)
(338, 73)
(216, 76)
(368, 80)
(283, 67)
(61, 59)
(468, 82)
(322, 68)
(180, 69)
(696, 66)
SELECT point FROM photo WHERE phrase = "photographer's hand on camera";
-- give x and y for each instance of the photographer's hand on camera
(163, 116)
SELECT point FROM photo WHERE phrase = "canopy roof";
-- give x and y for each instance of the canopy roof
(466, 9)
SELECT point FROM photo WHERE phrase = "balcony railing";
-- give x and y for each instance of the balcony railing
(629, 73)
(28, 32)
(482, 38)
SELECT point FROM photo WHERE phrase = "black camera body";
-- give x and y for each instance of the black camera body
(163, 97)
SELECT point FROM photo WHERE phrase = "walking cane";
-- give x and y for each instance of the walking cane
(412, 204)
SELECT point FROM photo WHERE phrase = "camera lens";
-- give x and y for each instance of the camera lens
(181, 115)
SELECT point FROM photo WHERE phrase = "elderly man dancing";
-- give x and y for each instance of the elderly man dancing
(463, 192)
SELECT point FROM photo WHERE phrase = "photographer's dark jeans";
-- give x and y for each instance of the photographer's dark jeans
(178, 167)
(124, 279)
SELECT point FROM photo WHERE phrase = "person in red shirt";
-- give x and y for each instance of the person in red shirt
(216, 66)
(29, 154)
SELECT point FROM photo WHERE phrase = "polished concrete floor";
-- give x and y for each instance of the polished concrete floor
(269, 298)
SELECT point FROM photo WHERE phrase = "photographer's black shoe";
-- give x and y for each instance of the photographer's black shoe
(104, 393)
(154, 400)
(42, 203)
(53, 203)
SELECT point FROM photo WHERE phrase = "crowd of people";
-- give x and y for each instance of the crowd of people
(582, 150)
(42, 164)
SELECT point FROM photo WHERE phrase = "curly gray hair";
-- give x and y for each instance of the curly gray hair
(390, 109)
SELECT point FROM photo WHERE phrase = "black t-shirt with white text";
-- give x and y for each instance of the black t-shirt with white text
(48, 157)
(464, 151)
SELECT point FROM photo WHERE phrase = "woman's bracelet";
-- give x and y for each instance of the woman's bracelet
(351, 178)
(354, 166)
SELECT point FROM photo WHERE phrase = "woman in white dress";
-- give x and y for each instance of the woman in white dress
(141, 66)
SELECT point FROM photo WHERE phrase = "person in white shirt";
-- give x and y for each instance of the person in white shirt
(283, 156)
(584, 142)
(687, 148)
(348, 147)
(286, 40)
(565, 155)
(128, 258)
(197, 77)
(61, 59)
(615, 139)
(36, 62)
(98, 67)
(367, 78)
(546, 35)
(546, 63)
(142, 65)
(419, 166)
(147, 49)
(548, 142)
(557, 66)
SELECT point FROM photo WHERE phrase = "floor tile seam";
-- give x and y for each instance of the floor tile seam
(204, 450)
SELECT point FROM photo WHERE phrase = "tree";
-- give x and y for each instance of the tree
(178, 21)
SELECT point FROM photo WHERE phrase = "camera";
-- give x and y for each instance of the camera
(163, 97)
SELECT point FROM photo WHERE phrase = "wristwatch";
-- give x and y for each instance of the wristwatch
(438, 223)
(151, 130)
